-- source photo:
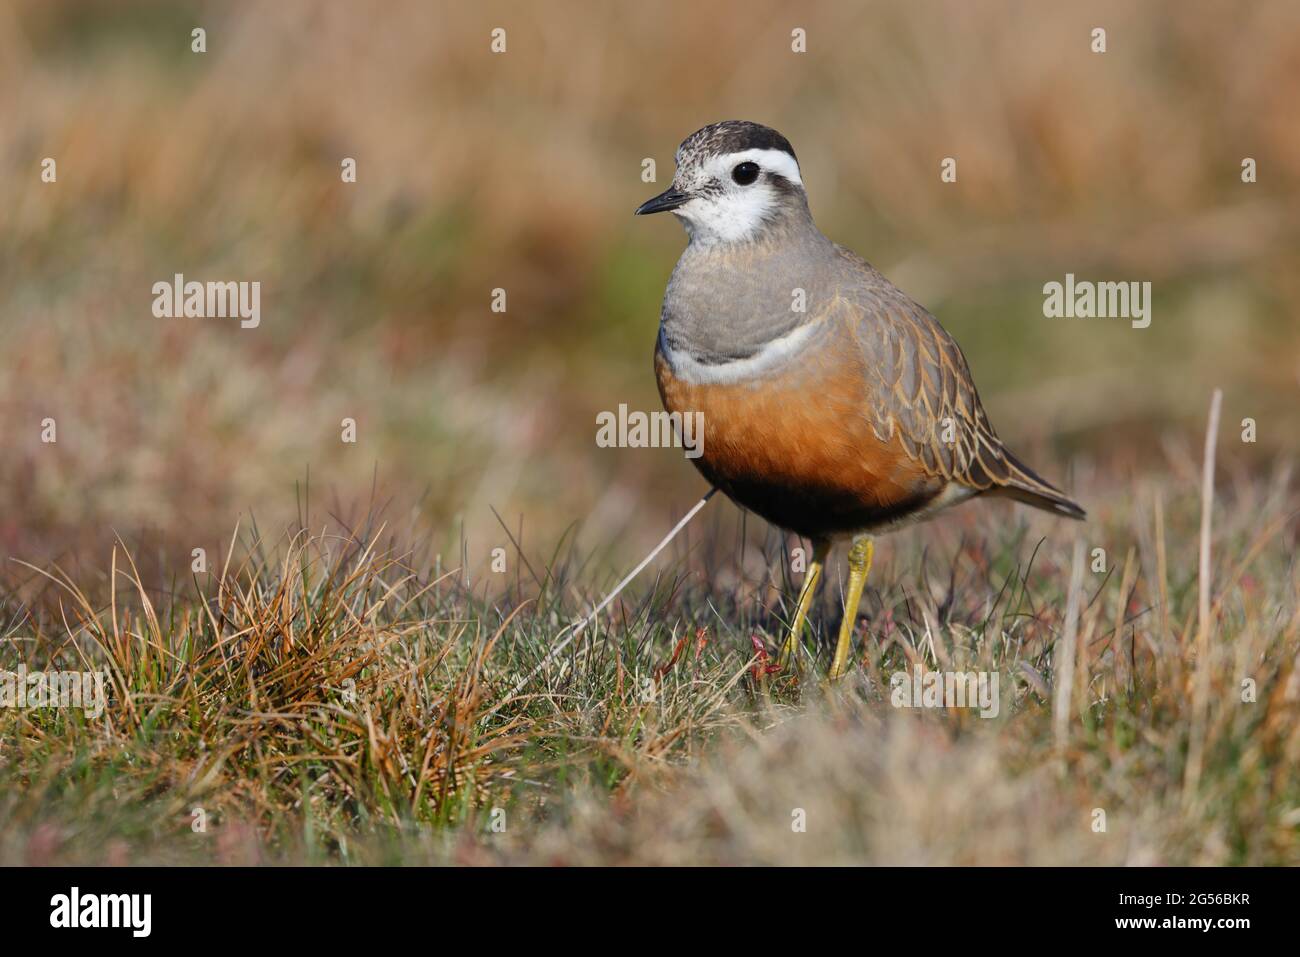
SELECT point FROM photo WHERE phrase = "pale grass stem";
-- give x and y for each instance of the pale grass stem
(577, 628)
(1063, 671)
(1201, 695)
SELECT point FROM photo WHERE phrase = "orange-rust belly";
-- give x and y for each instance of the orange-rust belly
(796, 448)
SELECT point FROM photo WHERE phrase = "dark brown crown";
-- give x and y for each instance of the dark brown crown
(734, 136)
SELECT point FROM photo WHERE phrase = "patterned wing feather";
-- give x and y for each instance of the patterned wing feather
(923, 392)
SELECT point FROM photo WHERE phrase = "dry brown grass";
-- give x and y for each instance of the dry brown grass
(521, 171)
(327, 699)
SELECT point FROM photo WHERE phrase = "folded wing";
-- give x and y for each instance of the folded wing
(922, 391)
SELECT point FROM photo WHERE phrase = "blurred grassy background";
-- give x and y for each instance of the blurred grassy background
(521, 170)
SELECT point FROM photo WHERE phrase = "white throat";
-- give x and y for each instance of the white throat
(735, 213)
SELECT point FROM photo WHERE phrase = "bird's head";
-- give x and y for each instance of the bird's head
(735, 180)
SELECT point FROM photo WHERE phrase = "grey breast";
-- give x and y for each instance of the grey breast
(725, 302)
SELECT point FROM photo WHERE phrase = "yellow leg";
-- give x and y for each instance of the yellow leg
(859, 568)
(814, 573)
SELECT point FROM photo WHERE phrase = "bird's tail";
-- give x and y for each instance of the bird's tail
(1025, 485)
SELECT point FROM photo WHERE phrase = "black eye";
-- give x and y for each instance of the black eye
(745, 173)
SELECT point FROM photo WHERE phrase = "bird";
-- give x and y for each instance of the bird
(833, 405)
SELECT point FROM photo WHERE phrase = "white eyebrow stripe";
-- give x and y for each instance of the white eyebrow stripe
(778, 161)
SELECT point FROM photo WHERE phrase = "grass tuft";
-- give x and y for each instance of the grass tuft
(334, 697)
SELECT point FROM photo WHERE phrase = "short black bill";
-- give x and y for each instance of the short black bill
(668, 199)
